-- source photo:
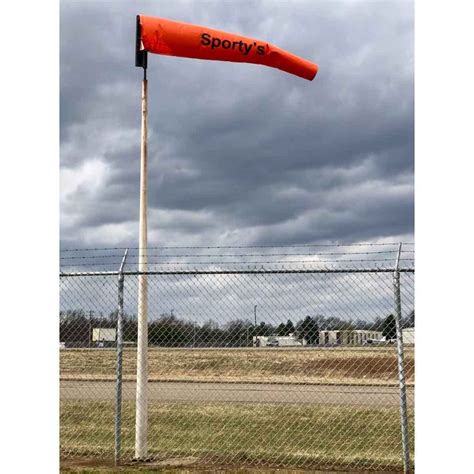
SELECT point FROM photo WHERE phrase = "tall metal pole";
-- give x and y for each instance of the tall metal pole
(141, 416)
(255, 314)
(401, 365)
(118, 371)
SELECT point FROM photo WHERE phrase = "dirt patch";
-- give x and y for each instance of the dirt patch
(182, 466)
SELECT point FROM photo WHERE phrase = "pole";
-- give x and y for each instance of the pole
(401, 366)
(255, 314)
(90, 328)
(118, 371)
(141, 415)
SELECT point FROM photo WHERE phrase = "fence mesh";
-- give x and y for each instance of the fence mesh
(266, 367)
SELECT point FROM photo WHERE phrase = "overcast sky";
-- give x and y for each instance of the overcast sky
(240, 154)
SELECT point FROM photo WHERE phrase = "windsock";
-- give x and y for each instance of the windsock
(173, 38)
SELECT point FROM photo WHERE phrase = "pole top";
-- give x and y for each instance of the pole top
(397, 263)
(141, 56)
(123, 261)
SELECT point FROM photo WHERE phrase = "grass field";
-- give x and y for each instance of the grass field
(243, 434)
(377, 366)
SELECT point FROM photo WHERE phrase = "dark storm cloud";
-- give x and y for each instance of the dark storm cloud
(240, 152)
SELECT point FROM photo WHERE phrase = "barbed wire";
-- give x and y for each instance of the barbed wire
(361, 244)
(153, 255)
(339, 256)
(255, 262)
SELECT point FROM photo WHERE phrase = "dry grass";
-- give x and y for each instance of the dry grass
(307, 436)
(376, 366)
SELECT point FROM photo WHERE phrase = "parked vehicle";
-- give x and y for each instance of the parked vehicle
(374, 341)
(382, 341)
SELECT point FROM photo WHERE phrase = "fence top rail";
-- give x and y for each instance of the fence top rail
(237, 272)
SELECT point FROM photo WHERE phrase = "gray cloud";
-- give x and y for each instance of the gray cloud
(240, 153)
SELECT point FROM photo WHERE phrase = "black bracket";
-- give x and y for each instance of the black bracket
(141, 56)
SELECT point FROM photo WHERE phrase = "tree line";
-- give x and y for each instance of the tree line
(168, 330)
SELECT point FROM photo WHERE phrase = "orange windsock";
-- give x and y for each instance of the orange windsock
(173, 38)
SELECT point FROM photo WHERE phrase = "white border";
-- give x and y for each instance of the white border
(444, 84)
(29, 171)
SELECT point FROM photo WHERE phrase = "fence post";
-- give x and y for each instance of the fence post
(401, 365)
(118, 371)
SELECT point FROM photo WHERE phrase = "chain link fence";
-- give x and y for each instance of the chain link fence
(279, 367)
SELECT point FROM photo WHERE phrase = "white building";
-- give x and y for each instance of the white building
(348, 337)
(278, 341)
(104, 336)
(408, 336)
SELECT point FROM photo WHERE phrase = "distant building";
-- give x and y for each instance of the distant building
(348, 337)
(278, 341)
(104, 337)
(408, 336)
